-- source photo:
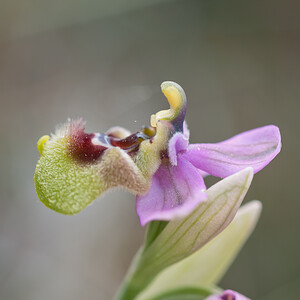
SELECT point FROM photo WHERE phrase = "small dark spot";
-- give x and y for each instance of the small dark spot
(164, 154)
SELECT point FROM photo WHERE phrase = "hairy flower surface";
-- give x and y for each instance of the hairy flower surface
(157, 163)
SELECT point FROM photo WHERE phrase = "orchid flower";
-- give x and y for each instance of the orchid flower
(228, 295)
(157, 164)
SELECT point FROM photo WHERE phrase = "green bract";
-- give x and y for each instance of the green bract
(207, 265)
(181, 238)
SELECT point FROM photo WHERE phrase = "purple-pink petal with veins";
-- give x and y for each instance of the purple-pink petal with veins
(228, 295)
(254, 148)
(175, 192)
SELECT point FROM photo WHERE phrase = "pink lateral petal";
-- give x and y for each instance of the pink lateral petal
(254, 148)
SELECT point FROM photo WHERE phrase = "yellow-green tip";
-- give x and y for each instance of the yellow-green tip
(40, 144)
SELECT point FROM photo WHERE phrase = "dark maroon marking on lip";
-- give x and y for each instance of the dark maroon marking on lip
(84, 150)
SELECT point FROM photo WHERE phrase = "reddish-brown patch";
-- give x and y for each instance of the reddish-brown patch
(83, 150)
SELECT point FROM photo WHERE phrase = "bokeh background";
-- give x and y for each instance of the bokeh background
(239, 63)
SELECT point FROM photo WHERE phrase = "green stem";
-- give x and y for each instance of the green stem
(133, 284)
(139, 277)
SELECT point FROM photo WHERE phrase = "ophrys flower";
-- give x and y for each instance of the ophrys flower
(157, 163)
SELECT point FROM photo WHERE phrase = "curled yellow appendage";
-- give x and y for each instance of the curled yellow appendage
(176, 98)
(173, 93)
(42, 140)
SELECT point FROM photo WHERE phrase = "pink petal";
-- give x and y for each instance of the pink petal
(254, 148)
(175, 192)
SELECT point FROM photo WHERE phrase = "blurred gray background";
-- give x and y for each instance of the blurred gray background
(239, 63)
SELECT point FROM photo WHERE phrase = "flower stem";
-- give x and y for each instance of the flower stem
(131, 287)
